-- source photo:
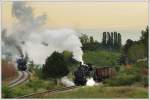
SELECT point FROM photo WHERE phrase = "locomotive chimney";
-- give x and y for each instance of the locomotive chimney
(80, 64)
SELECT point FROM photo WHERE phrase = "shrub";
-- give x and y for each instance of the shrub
(6, 92)
(39, 73)
(20, 91)
(101, 58)
(141, 64)
(35, 84)
(145, 81)
(136, 51)
(125, 77)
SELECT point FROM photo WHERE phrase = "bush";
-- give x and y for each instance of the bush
(145, 80)
(35, 84)
(141, 64)
(117, 68)
(20, 91)
(101, 58)
(125, 77)
(6, 92)
(136, 51)
(39, 73)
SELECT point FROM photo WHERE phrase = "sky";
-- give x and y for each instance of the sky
(92, 18)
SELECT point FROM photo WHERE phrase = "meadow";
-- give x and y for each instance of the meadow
(102, 92)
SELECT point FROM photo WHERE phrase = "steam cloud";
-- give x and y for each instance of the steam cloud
(90, 82)
(66, 82)
(29, 36)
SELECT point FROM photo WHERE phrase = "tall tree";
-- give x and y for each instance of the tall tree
(128, 44)
(119, 40)
(91, 39)
(111, 40)
(144, 38)
(115, 40)
(55, 66)
(84, 39)
(104, 41)
(108, 40)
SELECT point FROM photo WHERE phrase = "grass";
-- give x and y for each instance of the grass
(102, 92)
(98, 59)
(101, 58)
(33, 85)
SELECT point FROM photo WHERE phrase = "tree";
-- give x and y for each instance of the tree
(111, 40)
(115, 40)
(144, 39)
(108, 40)
(104, 41)
(88, 43)
(55, 66)
(119, 40)
(136, 52)
(91, 39)
(84, 39)
(68, 56)
(31, 66)
(126, 47)
(128, 44)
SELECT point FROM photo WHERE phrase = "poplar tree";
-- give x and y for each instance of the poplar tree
(108, 40)
(104, 41)
(119, 40)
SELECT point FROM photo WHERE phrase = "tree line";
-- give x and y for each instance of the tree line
(133, 51)
(110, 41)
(88, 43)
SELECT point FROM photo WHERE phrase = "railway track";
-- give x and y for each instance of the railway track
(48, 92)
(23, 76)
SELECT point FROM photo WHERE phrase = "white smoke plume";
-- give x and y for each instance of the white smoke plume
(66, 82)
(29, 36)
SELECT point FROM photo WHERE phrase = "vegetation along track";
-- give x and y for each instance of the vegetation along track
(23, 76)
(48, 91)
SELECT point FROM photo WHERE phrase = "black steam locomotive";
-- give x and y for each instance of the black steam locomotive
(22, 63)
(81, 74)
(98, 74)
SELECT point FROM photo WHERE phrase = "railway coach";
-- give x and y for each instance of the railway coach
(103, 73)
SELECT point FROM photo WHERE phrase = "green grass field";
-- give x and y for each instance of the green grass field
(34, 85)
(102, 92)
(101, 58)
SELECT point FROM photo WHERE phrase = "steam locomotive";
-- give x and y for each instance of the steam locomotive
(22, 63)
(98, 74)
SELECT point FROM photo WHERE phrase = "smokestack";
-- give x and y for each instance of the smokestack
(80, 64)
